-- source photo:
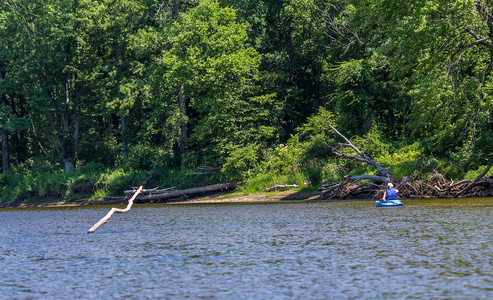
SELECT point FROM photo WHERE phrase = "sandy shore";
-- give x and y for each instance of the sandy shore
(211, 199)
(262, 197)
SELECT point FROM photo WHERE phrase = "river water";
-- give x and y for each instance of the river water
(427, 249)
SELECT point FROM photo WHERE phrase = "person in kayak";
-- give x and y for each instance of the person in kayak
(390, 193)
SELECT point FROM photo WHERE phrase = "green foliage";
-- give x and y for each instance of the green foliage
(353, 96)
(240, 163)
(148, 157)
(473, 174)
(404, 161)
(318, 124)
(93, 151)
(373, 143)
(95, 85)
(453, 171)
(284, 159)
(258, 183)
(314, 172)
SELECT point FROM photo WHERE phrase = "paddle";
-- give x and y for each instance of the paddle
(404, 180)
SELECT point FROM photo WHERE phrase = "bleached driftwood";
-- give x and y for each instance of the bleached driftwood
(279, 187)
(151, 191)
(115, 210)
(187, 192)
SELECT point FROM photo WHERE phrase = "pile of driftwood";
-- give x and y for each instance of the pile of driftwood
(437, 186)
(373, 186)
(351, 188)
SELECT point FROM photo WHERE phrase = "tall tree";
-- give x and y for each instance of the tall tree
(4, 133)
(53, 68)
(291, 39)
(202, 80)
(441, 52)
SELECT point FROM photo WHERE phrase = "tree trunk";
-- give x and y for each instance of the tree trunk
(5, 134)
(188, 192)
(69, 164)
(175, 9)
(184, 124)
(5, 151)
(124, 129)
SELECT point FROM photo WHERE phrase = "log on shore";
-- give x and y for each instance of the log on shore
(151, 191)
(188, 192)
(281, 187)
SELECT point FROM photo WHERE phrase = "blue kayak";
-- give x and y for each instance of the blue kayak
(388, 203)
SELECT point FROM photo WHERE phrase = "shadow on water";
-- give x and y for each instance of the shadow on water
(300, 196)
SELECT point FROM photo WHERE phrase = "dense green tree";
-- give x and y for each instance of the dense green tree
(290, 37)
(361, 92)
(202, 82)
(44, 66)
(151, 83)
(441, 53)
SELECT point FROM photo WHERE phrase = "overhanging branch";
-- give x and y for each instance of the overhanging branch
(362, 156)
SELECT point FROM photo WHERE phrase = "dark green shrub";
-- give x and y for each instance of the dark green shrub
(107, 152)
(240, 162)
(314, 175)
(147, 157)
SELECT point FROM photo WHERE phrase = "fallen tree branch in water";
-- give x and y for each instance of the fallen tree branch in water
(115, 210)
(362, 185)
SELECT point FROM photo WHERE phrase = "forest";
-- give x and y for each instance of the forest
(97, 96)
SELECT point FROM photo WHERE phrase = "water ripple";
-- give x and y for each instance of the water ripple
(437, 249)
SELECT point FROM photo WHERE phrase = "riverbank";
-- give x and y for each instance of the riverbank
(436, 186)
(283, 196)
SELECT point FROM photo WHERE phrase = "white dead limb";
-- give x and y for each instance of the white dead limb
(115, 210)
(151, 191)
(279, 187)
(187, 192)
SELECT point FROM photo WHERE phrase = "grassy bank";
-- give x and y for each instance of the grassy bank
(293, 163)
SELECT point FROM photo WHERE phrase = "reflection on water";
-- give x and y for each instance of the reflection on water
(437, 249)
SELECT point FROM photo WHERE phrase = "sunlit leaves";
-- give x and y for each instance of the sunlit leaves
(434, 49)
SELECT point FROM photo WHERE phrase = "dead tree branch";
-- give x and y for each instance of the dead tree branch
(115, 210)
(475, 181)
(362, 156)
